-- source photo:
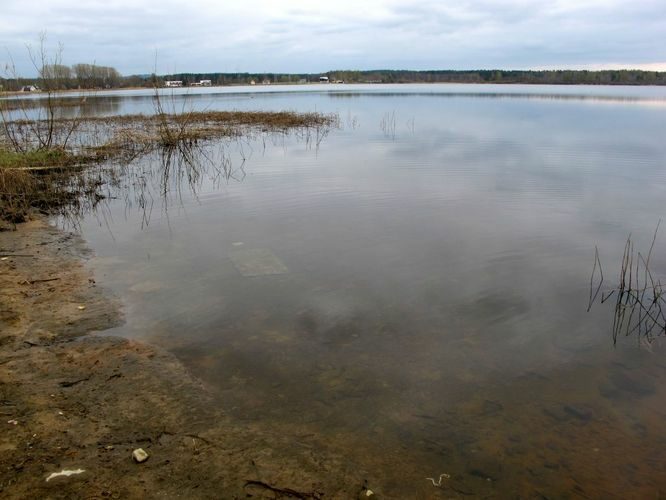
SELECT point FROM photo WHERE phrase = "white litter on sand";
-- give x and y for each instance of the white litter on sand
(439, 482)
(140, 455)
(64, 472)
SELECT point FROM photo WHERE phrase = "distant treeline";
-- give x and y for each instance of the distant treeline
(555, 77)
(77, 76)
(89, 76)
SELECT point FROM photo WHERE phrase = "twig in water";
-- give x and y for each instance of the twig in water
(601, 272)
(32, 282)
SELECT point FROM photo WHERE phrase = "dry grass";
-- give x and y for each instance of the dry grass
(43, 180)
(136, 134)
(14, 185)
(108, 134)
(273, 120)
(39, 102)
(47, 179)
(36, 159)
(44, 190)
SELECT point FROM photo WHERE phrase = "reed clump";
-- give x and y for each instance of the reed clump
(113, 133)
(273, 120)
(127, 135)
(639, 295)
(46, 175)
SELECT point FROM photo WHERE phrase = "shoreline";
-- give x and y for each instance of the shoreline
(74, 401)
(94, 91)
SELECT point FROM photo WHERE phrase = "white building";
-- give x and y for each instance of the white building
(173, 83)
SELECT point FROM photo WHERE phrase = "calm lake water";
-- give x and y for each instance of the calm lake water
(419, 279)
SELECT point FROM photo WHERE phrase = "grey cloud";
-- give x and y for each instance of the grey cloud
(421, 34)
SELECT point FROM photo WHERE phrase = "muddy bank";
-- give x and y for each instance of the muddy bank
(71, 400)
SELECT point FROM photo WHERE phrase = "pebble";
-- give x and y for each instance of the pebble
(365, 493)
(139, 455)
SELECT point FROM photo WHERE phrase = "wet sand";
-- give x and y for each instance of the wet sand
(70, 400)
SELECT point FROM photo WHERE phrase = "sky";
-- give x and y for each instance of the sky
(310, 36)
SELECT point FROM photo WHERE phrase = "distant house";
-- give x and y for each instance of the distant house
(323, 79)
(252, 82)
(206, 83)
(29, 88)
(266, 82)
(173, 83)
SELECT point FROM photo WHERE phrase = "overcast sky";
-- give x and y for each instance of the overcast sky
(313, 36)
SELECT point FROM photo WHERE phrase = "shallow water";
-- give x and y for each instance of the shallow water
(413, 286)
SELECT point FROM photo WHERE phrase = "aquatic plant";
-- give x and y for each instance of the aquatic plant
(25, 173)
(387, 125)
(639, 294)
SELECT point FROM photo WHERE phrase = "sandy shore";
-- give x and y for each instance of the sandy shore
(74, 401)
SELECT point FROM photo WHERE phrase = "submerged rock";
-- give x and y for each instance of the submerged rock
(257, 262)
(636, 385)
(491, 408)
(568, 412)
(621, 384)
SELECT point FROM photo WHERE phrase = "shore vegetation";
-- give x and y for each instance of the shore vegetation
(36, 174)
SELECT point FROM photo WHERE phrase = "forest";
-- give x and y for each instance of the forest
(90, 76)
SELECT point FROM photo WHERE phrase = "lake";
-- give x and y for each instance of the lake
(412, 286)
